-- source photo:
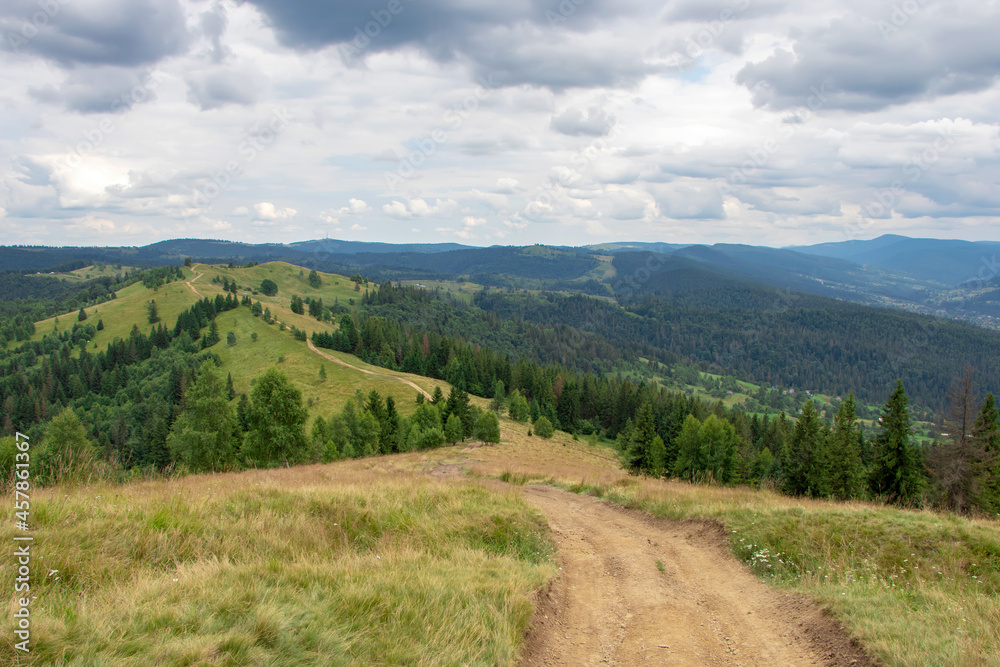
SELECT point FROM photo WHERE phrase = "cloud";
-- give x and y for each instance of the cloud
(417, 207)
(516, 42)
(354, 206)
(218, 86)
(98, 32)
(592, 122)
(866, 64)
(100, 89)
(241, 210)
(506, 186)
(266, 211)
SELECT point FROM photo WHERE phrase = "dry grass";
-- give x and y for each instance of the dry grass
(333, 564)
(918, 588)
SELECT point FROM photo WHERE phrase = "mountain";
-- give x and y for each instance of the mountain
(946, 262)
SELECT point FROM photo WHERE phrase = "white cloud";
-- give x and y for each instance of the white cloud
(267, 211)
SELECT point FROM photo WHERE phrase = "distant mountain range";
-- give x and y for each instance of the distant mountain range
(958, 279)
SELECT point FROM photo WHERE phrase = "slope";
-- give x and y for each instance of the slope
(251, 356)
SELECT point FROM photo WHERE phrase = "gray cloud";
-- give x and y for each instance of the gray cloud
(517, 42)
(867, 64)
(218, 86)
(592, 122)
(96, 32)
(105, 89)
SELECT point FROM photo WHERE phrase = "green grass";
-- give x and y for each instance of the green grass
(92, 272)
(461, 290)
(329, 565)
(248, 358)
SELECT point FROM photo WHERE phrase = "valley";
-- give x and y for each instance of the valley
(371, 539)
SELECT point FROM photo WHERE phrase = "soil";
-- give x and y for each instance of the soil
(613, 605)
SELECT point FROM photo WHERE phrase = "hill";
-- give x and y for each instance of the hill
(946, 262)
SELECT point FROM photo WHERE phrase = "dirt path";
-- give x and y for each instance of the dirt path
(365, 370)
(196, 276)
(612, 605)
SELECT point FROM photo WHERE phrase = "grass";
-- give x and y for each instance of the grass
(333, 564)
(248, 358)
(91, 272)
(918, 588)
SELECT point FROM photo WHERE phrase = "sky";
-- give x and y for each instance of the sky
(768, 122)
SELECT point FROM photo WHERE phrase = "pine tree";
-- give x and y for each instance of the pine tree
(845, 473)
(518, 409)
(986, 433)
(689, 462)
(639, 453)
(499, 397)
(392, 431)
(957, 462)
(453, 429)
(806, 471)
(896, 472)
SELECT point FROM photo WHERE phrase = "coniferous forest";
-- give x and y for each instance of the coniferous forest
(156, 400)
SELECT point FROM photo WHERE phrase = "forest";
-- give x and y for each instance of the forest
(155, 402)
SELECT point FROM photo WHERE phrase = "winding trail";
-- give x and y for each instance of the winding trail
(366, 371)
(613, 604)
(188, 282)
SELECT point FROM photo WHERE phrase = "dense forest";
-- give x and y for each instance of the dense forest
(156, 401)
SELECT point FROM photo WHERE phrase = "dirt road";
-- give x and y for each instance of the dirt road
(612, 604)
(389, 376)
(194, 278)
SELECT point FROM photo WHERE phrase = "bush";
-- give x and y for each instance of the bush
(268, 287)
(543, 427)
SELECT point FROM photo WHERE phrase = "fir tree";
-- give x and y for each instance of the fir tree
(82, 315)
(896, 473)
(640, 453)
(806, 471)
(845, 473)
(230, 391)
(986, 433)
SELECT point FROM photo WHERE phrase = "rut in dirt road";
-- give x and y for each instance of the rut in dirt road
(612, 604)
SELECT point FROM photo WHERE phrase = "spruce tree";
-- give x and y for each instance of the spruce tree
(82, 315)
(896, 472)
(986, 433)
(844, 471)
(689, 464)
(230, 390)
(640, 455)
(806, 471)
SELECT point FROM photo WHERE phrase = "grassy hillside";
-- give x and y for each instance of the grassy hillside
(311, 565)
(249, 358)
